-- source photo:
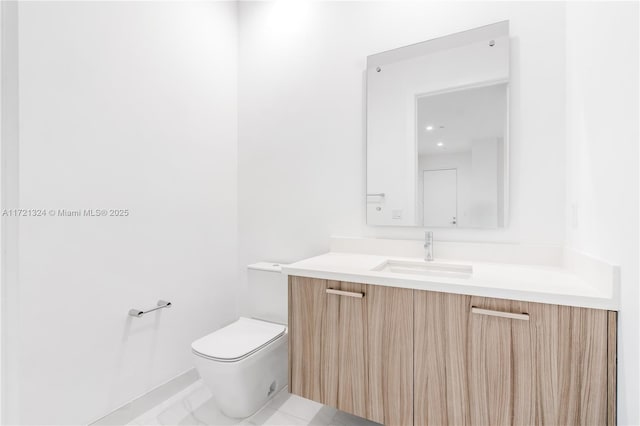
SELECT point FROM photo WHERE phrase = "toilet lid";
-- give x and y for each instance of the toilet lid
(238, 340)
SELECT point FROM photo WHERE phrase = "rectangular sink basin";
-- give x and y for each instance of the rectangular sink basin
(426, 269)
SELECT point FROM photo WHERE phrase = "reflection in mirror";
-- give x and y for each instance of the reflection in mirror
(437, 132)
(460, 137)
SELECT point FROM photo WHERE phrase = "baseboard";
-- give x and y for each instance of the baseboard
(134, 409)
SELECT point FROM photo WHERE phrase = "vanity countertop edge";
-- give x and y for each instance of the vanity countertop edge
(529, 283)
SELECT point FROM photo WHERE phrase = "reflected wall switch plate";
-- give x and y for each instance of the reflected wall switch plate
(396, 214)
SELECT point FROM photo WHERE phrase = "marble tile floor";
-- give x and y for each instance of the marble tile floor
(194, 406)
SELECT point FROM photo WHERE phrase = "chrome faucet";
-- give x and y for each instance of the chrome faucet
(428, 246)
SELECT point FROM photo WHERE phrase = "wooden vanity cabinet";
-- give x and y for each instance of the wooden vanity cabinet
(483, 361)
(401, 357)
(351, 347)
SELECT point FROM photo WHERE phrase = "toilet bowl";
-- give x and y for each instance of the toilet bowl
(243, 364)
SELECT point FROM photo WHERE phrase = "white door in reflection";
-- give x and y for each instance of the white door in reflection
(440, 191)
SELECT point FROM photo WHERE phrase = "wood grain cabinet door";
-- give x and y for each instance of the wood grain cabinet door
(351, 347)
(390, 355)
(483, 361)
(501, 363)
(307, 340)
(441, 370)
(327, 343)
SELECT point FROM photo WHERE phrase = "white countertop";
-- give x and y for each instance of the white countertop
(532, 283)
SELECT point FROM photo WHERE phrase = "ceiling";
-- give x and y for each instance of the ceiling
(457, 118)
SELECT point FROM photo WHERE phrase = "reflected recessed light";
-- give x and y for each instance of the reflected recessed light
(440, 144)
(429, 128)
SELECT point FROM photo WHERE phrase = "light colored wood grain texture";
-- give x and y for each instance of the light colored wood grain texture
(327, 344)
(363, 357)
(399, 356)
(352, 351)
(441, 393)
(550, 370)
(612, 367)
(307, 313)
(330, 349)
(545, 363)
(524, 373)
(390, 355)
(582, 366)
(491, 359)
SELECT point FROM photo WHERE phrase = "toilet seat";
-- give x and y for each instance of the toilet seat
(238, 340)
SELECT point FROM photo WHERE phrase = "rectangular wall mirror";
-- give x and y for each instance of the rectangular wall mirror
(437, 132)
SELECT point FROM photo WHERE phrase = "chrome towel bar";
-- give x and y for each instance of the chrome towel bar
(138, 313)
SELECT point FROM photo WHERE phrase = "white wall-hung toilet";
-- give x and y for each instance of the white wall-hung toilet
(245, 363)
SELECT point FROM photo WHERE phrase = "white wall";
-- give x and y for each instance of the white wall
(602, 166)
(301, 118)
(127, 105)
(485, 182)
(9, 192)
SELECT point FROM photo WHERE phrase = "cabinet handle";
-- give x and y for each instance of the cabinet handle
(345, 293)
(480, 311)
